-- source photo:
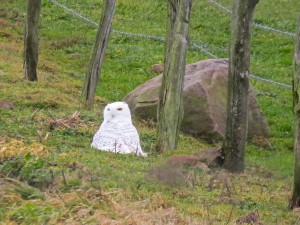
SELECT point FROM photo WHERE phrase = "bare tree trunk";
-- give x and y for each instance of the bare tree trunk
(295, 201)
(94, 71)
(170, 109)
(238, 85)
(31, 39)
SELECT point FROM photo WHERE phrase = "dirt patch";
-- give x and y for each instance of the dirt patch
(173, 176)
(11, 47)
(5, 34)
(64, 43)
(179, 169)
(47, 68)
(3, 13)
(5, 23)
(251, 218)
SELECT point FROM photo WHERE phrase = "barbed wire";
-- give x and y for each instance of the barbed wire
(162, 39)
(262, 26)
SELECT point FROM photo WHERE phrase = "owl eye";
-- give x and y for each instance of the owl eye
(108, 109)
(119, 109)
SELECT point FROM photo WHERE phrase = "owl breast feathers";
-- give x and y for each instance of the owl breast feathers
(117, 133)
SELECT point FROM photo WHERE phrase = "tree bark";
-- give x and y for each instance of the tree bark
(102, 38)
(295, 201)
(170, 109)
(31, 39)
(238, 85)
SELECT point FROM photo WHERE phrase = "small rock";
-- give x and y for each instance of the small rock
(6, 105)
(2, 73)
(233, 201)
(211, 155)
(260, 141)
(177, 160)
(296, 210)
(202, 166)
(157, 68)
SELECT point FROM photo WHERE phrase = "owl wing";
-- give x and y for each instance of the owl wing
(118, 137)
(132, 140)
(109, 138)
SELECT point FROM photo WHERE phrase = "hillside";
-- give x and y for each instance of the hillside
(48, 172)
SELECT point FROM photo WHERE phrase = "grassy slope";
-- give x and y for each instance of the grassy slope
(65, 47)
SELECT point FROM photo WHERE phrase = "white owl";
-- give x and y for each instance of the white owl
(117, 133)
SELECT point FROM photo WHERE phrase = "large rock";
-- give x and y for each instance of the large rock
(205, 97)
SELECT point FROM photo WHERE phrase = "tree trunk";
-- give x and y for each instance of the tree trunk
(170, 109)
(31, 39)
(238, 85)
(295, 201)
(102, 38)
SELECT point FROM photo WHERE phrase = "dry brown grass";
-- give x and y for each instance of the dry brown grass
(13, 147)
(92, 206)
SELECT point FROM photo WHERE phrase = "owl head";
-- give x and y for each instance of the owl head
(117, 111)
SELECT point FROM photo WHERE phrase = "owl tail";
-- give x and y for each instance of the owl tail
(139, 151)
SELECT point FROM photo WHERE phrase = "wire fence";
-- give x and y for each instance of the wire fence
(86, 19)
(262, 26)
(194, 45)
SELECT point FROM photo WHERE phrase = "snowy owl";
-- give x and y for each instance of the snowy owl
(117, 133)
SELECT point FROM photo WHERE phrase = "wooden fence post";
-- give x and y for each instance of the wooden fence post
(102, 38)
(295, 201)
(31, 39)
(170, 109)
(238, 85)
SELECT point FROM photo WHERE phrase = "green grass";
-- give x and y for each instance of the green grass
(81, 185)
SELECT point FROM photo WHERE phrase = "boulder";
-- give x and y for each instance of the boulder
(205, 97)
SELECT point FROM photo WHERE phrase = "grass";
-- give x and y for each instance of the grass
(53, 176)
